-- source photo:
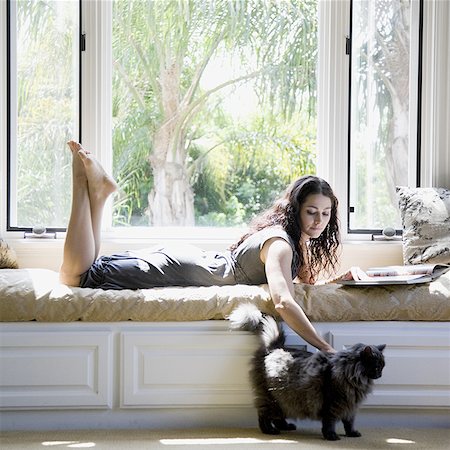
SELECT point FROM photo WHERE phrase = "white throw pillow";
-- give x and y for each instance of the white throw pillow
(425, 214)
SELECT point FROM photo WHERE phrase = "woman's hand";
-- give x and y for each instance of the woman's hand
(328, 349)
(354, 273)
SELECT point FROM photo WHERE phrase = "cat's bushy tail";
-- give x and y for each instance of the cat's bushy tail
(248, 317)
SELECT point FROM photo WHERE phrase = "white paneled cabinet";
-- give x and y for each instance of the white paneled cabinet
(133, 366)
(417, 371)
(48, 369)
(185, 368)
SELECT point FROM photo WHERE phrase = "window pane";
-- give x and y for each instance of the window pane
(213, 107)
(383, 109)
(43, 109)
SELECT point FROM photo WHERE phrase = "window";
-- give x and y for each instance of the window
(121, 109)
(43, 109)
(384, 114)
(213, 107)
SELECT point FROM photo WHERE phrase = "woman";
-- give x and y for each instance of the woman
(294, 239)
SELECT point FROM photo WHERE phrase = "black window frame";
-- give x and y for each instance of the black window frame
(9, 144)
(350, 208)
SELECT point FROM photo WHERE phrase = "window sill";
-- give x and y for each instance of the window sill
(201, 236)
(359, 241)
(47, 253)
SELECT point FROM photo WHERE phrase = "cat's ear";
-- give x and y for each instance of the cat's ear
(381, 347)
(367, 351)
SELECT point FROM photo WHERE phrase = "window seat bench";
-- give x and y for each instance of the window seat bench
(164, 357)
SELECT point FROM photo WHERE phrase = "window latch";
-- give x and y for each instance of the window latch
(348, 45)
(39, 233)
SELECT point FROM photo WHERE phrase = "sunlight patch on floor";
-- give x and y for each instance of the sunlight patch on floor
(224, 441)
(399, 441)
(55, 443)
(68, 444)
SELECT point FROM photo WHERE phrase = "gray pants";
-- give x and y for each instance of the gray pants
(178, 266)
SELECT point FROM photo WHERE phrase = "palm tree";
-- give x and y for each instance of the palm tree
(169, 45)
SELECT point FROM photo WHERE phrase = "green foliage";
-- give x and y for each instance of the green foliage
(235, 168)
(46, 113)
(251, 167)
(132, 145)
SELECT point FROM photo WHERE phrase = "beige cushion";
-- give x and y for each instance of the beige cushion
(36, 294)
(425, 214)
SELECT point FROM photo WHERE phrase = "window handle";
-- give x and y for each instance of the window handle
(348, 45)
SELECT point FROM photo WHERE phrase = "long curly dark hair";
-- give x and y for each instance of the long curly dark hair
(285, 212)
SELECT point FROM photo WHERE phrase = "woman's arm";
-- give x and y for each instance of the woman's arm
(276, 254)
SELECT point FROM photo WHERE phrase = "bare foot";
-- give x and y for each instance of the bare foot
(79, 173)
(100, 184)
(76, 146)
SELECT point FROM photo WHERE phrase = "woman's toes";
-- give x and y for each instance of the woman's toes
(74, 146)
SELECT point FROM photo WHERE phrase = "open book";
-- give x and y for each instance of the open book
(418, 273)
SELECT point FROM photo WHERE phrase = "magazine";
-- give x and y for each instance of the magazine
(410, 274)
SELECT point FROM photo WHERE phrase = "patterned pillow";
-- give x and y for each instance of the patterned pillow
(425, 214)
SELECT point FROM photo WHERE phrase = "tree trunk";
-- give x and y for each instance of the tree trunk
(397, 64)
(397, 152)
(171, 201)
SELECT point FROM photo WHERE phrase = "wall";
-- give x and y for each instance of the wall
(48, 253)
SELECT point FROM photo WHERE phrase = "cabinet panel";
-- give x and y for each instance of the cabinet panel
(54, 369)
(192, 369)
(417, 371)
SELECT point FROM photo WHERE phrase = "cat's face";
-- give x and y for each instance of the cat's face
(373, 360)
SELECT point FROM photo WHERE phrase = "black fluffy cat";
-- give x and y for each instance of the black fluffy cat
(292, 383)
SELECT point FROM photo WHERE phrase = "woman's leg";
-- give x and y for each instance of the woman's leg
(91, 188)
(100, 187)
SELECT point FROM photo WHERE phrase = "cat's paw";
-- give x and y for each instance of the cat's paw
(282, 424)
(331, 436)
(266, 427)
(290, 427)
(353, 433)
